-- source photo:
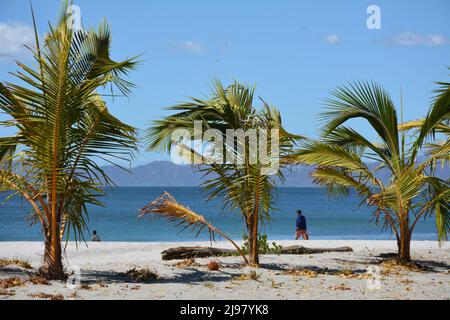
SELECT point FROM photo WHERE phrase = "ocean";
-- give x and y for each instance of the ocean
(328, 217)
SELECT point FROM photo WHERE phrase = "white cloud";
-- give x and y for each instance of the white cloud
(189, 46)
(411, 39)
(332, 39)
(13, 36)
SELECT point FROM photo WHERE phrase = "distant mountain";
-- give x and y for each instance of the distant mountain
(168, 174)
(155, 174)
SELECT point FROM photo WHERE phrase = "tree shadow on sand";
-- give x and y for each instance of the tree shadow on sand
(12, 271)
(193, 276)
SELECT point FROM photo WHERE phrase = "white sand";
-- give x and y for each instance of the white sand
(102, 266)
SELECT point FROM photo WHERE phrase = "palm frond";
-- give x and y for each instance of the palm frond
(366, 101)
(166, 206)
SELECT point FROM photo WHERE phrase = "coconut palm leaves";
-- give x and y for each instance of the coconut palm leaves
(242, 176)
(63, 126)
(340, 155)
(166, 206)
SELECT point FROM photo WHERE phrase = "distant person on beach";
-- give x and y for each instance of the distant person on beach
(300, 226)
(95, 236)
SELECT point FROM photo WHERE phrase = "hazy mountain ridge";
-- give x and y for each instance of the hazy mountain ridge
(168, 174)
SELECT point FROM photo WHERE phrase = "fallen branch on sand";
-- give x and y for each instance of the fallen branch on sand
(203, 252)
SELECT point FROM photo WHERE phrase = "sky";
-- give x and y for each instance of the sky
(295, 52)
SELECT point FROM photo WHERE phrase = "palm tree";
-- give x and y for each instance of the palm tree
(242, 184)
(62, 125)
(414, 190)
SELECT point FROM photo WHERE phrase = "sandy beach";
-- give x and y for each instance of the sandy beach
(360, 274)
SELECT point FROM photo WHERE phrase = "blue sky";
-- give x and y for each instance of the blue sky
(294, 51)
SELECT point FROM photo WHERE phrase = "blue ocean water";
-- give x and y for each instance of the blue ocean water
(327, 217)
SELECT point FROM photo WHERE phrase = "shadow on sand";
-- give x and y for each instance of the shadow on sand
(193, 276)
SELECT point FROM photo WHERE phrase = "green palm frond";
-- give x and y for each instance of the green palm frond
(399, 194)
(340, 181)
(366, 101)
(329, 155)
(437, 119)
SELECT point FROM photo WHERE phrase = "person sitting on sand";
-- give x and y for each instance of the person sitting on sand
(301, 226)
(95, 236)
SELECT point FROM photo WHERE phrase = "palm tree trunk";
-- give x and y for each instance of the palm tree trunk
(254, 257)
(250, 239)
(52, 267)
(404, 243)
(404, 253)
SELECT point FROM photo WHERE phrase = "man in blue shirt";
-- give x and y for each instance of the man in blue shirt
(301, 226)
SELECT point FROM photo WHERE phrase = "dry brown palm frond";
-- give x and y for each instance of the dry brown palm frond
(166, 206)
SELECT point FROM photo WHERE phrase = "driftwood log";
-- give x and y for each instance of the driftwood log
(202, 252)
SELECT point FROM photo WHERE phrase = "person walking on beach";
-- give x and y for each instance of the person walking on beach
(301, 226)
(95, 236)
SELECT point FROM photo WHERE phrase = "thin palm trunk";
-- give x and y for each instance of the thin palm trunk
(250, 228)
(404, 252)
(254, 257)
(52, 267)
(405, 248)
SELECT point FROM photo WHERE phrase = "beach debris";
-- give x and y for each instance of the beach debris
(213, 265)
(141, 274)
(39, 280)
(351, 274)
(406, 281)
(342, 287)
(85, 286)
(252, 275)
(16, 262)
(394, 266)
(49, 296)
(7, 292)
(187, 263)
(275, 284)
(302, 272)
(11, 282)
(208, 285)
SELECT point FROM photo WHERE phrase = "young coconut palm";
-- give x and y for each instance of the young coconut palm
(413, 190)
(62, 124)
(243, 183)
